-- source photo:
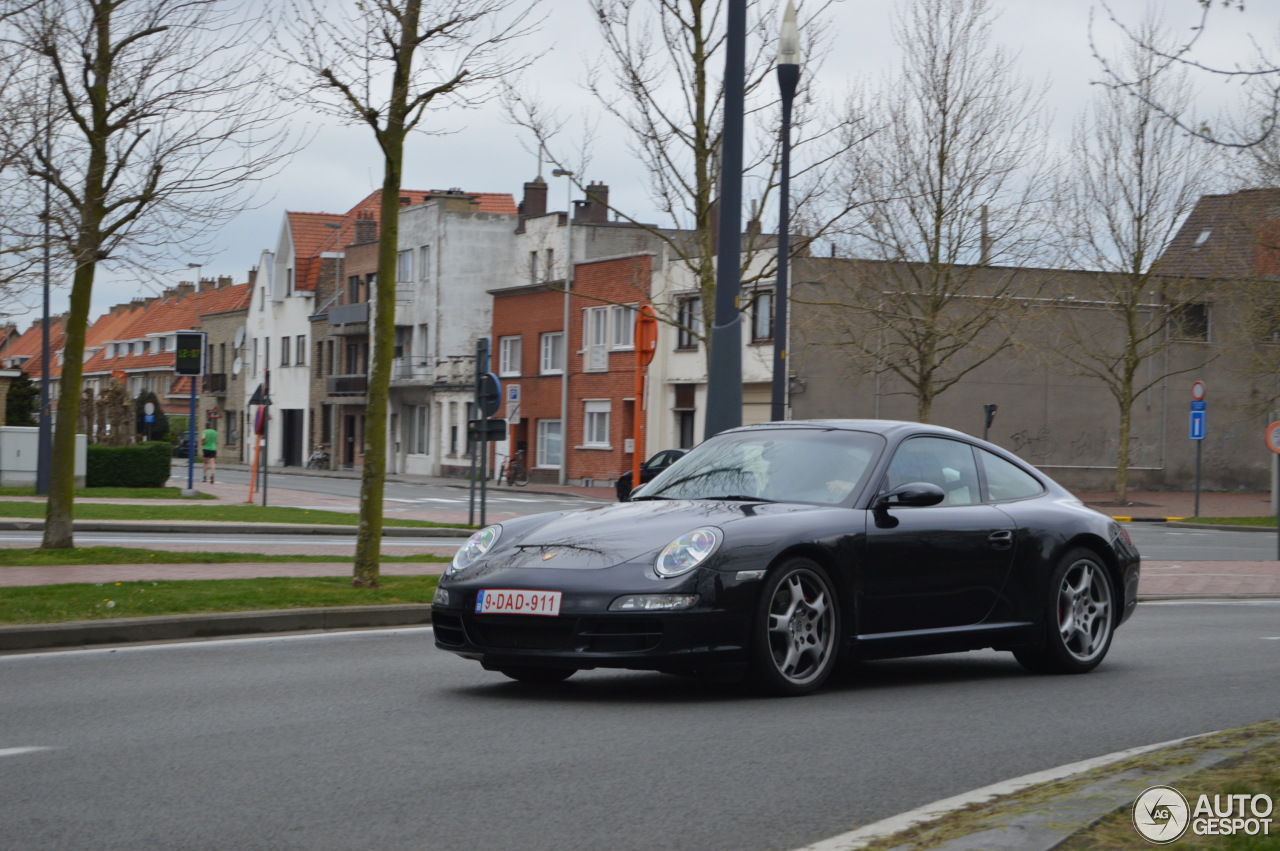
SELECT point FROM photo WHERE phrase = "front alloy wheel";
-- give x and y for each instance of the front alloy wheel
(1080, 619)
(797, 629)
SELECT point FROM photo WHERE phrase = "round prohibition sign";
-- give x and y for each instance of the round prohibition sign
(1197, 391)
(1273, 437)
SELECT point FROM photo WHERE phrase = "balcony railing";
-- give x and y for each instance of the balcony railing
(348, 385)
(408, 369)
(349, 314)
(215, 382)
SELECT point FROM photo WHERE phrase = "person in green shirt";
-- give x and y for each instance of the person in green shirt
(209, 446)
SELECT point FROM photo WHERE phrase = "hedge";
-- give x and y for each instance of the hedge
(145, 465)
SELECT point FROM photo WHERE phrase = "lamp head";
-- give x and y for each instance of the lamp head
(789, 37)
(559, 172)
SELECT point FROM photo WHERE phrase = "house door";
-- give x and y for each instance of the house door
(291, 450)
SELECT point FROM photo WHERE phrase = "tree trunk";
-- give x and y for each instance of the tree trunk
(60, 508)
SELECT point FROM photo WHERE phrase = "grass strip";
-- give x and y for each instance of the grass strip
(220, 513)
(36, 557)
(1255, 772)
(114, 493)
(39, 604)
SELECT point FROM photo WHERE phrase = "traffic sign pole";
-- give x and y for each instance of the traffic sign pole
(1272, 439)
(1198, 431)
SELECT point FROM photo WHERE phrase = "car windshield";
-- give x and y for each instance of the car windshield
(823, 466)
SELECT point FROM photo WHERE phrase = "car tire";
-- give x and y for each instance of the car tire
(797, 630)
(1079, 618)
(537, 675)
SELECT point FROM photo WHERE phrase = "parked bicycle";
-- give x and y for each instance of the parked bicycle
(514, 471)
(319, 459)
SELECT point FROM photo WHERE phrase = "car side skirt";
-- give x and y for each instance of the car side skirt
(955, 639)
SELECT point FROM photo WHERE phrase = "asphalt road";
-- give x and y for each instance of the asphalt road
(375, 740)
(1158, 542)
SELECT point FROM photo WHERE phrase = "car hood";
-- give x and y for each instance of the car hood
(603, 537)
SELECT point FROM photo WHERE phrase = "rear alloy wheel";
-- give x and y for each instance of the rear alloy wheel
(797, 629)
(1080, 618)
(538, 676)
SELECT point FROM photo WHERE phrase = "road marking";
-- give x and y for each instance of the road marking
(19, 751)
(120, 649)
(887, 827)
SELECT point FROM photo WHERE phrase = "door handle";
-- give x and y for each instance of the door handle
(1001, 540)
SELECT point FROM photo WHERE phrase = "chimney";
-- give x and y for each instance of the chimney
(253, 276)
(207, 284)
(184, 289)
(535, 199)
(225, 281)
(595, 209)
(366, 231)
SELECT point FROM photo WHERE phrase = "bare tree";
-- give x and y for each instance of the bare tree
(658, 79)
(157, 131)
(387, 67)
(1255, 69)
(948, 187)
(1133, 178)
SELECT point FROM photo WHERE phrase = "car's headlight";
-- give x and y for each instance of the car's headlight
(687, 551)
(475, 548)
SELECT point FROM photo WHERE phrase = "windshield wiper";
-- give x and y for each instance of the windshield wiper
(736, 498)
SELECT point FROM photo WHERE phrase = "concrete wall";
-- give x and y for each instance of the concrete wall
(1050, 413)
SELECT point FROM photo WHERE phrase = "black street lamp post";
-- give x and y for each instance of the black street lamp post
(724, 369)
(788, 79)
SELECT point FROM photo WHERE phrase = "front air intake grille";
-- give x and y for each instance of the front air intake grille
(516, 632)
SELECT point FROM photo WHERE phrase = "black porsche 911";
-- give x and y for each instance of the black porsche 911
(775, 549)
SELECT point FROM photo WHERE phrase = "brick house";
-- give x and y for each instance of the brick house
(530, 353)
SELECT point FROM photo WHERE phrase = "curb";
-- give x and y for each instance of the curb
(1002, 820)
(176, 627)
(198, 527)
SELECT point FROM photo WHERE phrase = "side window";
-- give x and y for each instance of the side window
(946, 463)
(1006, 480)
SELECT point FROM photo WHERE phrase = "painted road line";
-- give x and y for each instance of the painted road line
(20, 751)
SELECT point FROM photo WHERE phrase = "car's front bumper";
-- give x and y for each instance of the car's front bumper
(714, 632)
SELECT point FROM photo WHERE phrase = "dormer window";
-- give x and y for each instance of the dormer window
(1203, 237)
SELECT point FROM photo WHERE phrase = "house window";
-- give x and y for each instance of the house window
(1190, 322)
(533, 267)
(550, 273)
(595, 423)
(160, 343)
(550, 444)
(353, 289)
(689, 317)
(404, 265)
(403, 342)
(419, 428)
(424, 263)
(762, 317)
(301, 353)
(552, 362)
(623, 319)
(284, 351)
(232, 419)
(509, 355)
(288, 278)
(597, 323)
(685, 413)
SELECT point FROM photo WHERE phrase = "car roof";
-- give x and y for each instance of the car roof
(887, 428)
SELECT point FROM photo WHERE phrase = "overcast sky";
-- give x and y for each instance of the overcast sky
(484, 153)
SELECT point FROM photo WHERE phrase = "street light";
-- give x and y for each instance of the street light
(564, 343)
(724, 367)
(788, 78)
(44, 432)
(191, 423)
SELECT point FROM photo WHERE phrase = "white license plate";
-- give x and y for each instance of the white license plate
(517, 602)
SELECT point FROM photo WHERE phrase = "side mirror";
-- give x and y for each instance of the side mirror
(911, 495)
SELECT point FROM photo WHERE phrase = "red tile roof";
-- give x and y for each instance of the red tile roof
(171, 312)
